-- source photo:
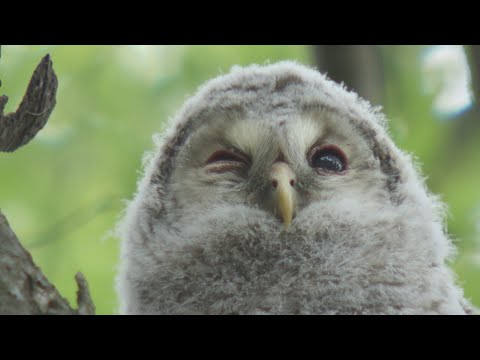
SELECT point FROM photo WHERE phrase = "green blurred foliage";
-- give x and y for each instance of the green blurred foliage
(64, 192)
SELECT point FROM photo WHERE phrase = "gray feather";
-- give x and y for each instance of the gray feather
(371, 241)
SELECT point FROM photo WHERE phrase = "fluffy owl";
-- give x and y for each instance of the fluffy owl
(277, 191)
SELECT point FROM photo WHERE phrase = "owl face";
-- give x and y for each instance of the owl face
(276, 191)
(279, 163)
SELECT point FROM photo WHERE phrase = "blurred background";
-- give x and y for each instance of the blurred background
(64, 192)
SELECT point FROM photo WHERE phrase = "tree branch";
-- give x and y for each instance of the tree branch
(84, 301)
(23, 287)
(18, 128)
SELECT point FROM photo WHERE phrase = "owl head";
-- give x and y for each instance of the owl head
(276, 190)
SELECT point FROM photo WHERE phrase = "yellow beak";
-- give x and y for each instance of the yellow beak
(282, 179)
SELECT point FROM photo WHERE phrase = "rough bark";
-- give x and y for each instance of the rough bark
(18, 128)
(23, 287)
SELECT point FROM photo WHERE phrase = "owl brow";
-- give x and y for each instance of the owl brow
(321, 139)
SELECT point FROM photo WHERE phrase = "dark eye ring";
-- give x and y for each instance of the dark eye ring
(225, 160)
(225, 155)
(328, 159)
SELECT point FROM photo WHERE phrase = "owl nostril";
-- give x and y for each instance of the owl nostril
(275, 183)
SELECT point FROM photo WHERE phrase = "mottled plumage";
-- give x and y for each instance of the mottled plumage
(276, 191)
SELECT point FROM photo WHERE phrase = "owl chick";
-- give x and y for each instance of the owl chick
(276, 191)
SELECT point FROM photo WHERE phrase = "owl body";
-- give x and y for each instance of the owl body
(276, 191)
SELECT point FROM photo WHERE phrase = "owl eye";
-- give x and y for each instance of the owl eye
(329, 159)
(225, 160)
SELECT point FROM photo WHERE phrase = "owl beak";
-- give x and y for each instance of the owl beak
(282, 179)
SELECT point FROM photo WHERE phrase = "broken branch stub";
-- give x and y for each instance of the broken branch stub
(23, 287)
(18, 128)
